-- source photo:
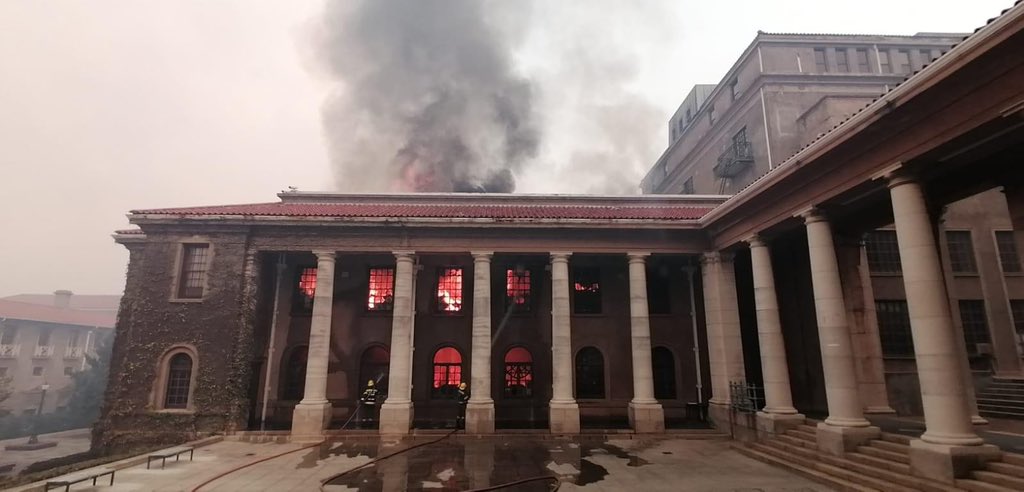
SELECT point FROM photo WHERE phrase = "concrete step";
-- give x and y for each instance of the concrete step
(805, 471)
(1013, 459)
(900, 478)
(1006, 469)
(1012, 392)
(812, 428)
(979, 486)
(796, 441)
(798, 450)
(1012, 403)
(1000, 479)
(883, 454)
(807, 436)
(871, 481)
(896, 438)
(885, 464)
(1001, 413)
(890, 446)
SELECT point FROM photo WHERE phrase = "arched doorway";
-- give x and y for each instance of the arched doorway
(374, 365)
(447, 373)
(589, 374)
(518, 373)
(664, 366)
(292, 382)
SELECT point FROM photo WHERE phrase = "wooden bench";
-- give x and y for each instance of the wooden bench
(163, 454)
(67, 481)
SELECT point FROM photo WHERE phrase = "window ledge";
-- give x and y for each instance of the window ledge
(588, 315)
(186, 300)
(886, 274)
(175, 411)
(1013, 274)
(967, 274)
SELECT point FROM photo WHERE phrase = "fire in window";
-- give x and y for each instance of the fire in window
(518, 373)
(449, 290)
(381, 296)
(305, 290)
(517, 288)
(587, 291)
(447, 372)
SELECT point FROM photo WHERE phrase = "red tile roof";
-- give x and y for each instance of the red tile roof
(49, 314)
(446, 211)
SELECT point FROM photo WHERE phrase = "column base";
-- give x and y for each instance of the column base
(947, 463)
(480, 418)
(880, 410)
(309, 421)
(564, 418)
(837, 440)
(772, 424)
(978, 420)
(646, 417)
(719, 415)
(395, 418)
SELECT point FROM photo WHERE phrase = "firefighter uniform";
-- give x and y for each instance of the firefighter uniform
(463, 399)
(368, 405)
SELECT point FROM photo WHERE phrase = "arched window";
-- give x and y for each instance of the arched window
(293, 380)
(373, 365)
(179, 381)
(518, 373)
(664, 373)
(447, 372)
(589, 373)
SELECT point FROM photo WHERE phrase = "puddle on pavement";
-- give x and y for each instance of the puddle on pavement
(461, 464)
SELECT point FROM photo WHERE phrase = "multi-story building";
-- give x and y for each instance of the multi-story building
(44, 345)
(785, 91)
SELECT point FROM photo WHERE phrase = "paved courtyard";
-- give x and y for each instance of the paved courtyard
(463, 463)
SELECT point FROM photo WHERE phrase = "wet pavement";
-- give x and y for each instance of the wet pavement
(467, 463)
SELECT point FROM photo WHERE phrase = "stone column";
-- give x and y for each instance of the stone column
(396, 412)
(778, 414)
(725, 347)
(949, 448)
(845, 428)
(480, 409)
(564, 412)
(645, 413)
(313, 413)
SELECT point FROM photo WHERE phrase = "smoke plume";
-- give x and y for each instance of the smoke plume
(426, 95)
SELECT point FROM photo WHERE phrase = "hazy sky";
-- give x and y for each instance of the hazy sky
(113, 105)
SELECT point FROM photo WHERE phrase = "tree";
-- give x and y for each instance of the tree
(90, 384)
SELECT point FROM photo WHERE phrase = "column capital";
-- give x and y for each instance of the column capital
(756, 241)
(635, 256)
(482, 255)
(404, 255)
(324, 254)
(712, 257)
(895, 174)
(560, 255)
(811, 215)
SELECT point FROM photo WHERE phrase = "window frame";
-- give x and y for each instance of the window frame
(873, 254)
(663, 282)
(158, 397)
(299, 298)
(673, 373)
(971, 340)
(599, 295)
(528, 306)
(688, 188)
(437, 308)
(972, 257)
(577, 372)
(285, 375)
(179, 269)
(842, 60)
(440, 393)
(996, 234)
(386, 307)
(866, 66)
(530, 374)
(902, 338)
(820, 66)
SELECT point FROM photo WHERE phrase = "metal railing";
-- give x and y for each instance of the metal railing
(746, 398)
(43, 351)
(74, 353)
(736, 157)
(10, 351)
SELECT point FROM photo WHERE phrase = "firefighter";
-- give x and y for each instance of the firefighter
(463, 399)
(368, 401)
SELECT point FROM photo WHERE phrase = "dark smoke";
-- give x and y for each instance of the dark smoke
(426, 98)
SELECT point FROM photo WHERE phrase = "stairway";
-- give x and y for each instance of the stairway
(882, 465)
(1002, 398)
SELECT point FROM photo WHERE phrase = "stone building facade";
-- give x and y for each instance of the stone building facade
(783, 92)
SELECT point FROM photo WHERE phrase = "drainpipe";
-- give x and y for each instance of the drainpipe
(85, 349)
(690, 271)
(279, 275)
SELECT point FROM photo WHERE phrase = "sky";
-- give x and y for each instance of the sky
(127, 104)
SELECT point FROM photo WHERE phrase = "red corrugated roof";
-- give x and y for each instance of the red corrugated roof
(49, 314)
(443, 211)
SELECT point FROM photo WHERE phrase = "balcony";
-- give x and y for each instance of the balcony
(43, 352)
(736, 158)
(10, 351)
(74, 353)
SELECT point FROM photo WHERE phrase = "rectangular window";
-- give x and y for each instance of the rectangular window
(689, 115)
(883, 62)
(819, 60)
(842, 61)
(9, 335)
(586, 290)
(37, 371)
(73, 339)
(732, 89)
(1017, 311)
(517, 289)
(961, 252)
(305, 290)
(926, 57)
(193, 271)
(449, 290)
(862, 61)
(659, 297)
(883, 252)
(972, 315)
(903, 61)
(44, 338)
(68, 370)
(740, 137)
(381, 295)
(711, 114)
(894, 328)
(688, 188)
(1009, 257)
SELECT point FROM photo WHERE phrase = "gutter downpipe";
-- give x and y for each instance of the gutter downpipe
(85, 351)
(270, 341)
(764, 110)
(696, 341)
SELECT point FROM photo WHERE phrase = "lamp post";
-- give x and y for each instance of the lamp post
(34, 438)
